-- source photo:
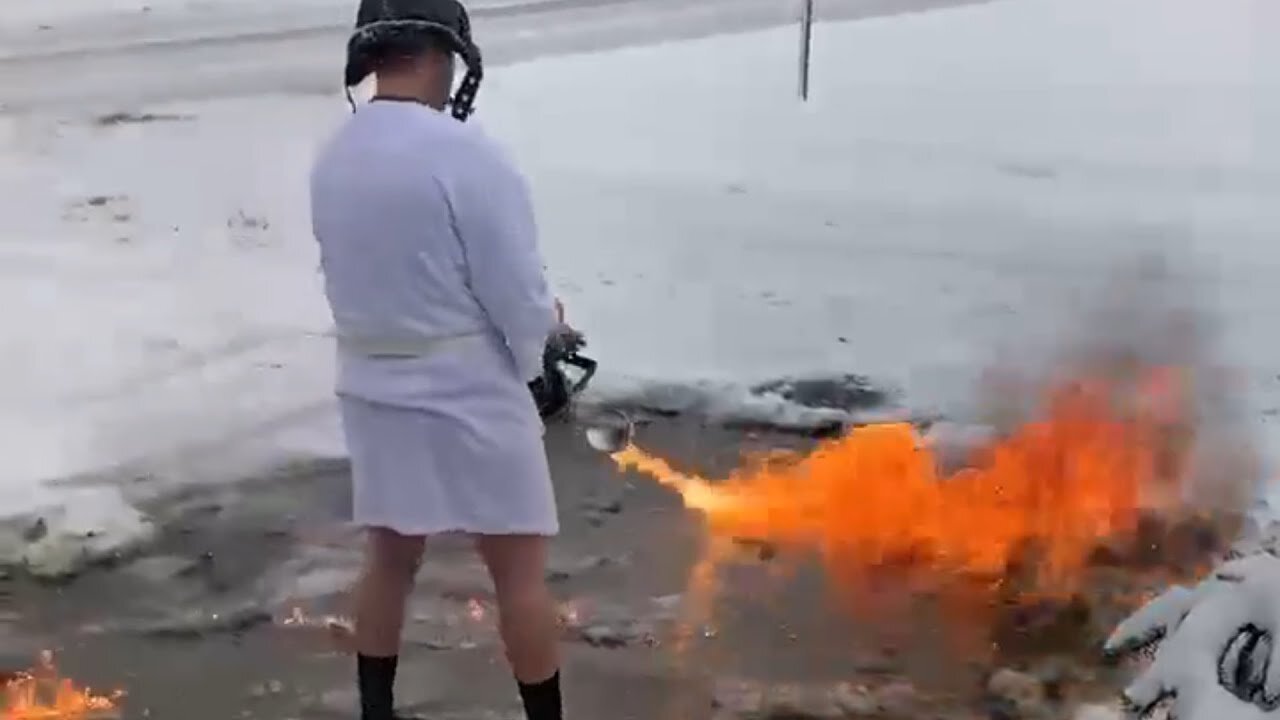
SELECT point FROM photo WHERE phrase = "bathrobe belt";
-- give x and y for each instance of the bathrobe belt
(403, 346)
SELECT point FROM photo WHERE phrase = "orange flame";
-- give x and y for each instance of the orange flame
(876, 496)
(42, 694)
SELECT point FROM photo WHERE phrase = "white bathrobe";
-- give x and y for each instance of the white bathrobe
(441, 308)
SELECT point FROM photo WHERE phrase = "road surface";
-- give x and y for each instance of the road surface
(121, 59)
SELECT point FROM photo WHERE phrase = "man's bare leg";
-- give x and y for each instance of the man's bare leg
(391, 561)
(526, 619)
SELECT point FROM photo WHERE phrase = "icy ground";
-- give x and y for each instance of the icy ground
(960, 182)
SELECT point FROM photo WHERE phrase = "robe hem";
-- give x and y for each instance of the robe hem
(455, 529)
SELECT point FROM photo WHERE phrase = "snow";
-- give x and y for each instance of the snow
(1097, 712)
(959, 183)
(926, 206)
(41, 15)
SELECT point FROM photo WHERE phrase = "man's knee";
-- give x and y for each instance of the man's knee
(393, 554)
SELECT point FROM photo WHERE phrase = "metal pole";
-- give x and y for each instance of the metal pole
(806, 47)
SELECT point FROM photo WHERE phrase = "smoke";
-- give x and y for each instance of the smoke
(1145, 330)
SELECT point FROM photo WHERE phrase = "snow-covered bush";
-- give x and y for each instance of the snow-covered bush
(1214, 653)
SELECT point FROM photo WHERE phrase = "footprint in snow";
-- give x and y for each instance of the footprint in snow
(115, 209)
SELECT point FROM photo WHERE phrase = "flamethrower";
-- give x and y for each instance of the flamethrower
(566, 372)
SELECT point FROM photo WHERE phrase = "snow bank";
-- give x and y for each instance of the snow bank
(957, 180)
(163, 313)
(798, 404)
(58, 540)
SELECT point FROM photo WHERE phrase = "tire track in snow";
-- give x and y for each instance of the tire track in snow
(171, 37)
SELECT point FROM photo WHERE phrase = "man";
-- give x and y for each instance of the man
(435, 280)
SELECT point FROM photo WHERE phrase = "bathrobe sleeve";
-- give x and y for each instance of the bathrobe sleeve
(494, 220)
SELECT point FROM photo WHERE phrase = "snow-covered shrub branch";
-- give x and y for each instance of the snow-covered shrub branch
(1214, 654)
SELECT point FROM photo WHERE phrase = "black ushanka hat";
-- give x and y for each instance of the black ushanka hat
(405, 27)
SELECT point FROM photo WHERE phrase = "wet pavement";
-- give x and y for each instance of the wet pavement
(226, 614)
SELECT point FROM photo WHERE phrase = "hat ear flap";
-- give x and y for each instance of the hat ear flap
(360, 55)
(354, 73)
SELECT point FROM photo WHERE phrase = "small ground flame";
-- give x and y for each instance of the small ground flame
(340, 630)
(1054, 486)
(42, 694)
